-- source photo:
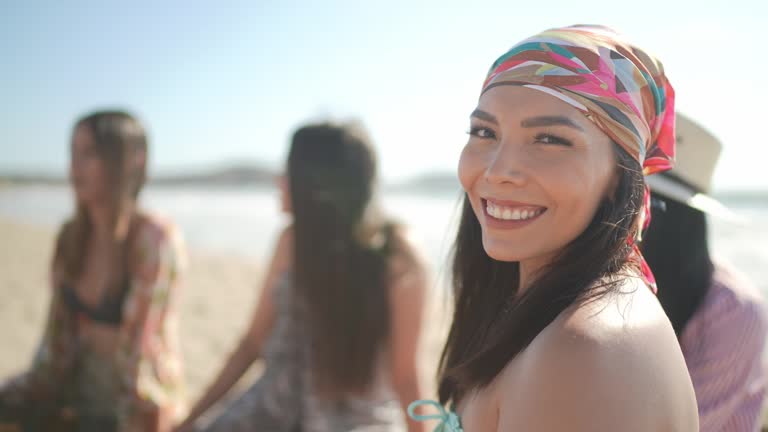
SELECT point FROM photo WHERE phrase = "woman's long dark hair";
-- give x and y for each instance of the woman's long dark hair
(492, 325)
(677, 251)
(341, 251)
(118, 138)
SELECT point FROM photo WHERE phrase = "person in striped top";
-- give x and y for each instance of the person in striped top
(718, 316)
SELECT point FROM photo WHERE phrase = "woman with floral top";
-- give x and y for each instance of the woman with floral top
(109, 358)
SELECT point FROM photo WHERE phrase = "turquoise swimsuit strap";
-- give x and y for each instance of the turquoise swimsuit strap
(449, 421)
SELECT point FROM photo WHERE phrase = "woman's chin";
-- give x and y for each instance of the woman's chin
(503, 254)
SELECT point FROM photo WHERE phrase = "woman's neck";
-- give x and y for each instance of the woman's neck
(529, 269)
(110, 224)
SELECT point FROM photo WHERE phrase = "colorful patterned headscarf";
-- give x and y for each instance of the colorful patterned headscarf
(619, 87)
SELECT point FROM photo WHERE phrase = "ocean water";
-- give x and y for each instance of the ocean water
(245, 220)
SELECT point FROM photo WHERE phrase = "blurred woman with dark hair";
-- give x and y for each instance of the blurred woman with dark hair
(718, 316)
(109, 359)
(339, 318)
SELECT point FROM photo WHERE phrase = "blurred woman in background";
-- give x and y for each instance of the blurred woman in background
(718, 316)
(339, 317)
(109, 359)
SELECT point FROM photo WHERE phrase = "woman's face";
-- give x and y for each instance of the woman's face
(87, 171)
(535, 170)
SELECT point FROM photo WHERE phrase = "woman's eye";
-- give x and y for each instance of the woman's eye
(552, 139)
(481, 132)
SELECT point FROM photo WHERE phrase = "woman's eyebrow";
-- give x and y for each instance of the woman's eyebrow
(482, 115)
(550, 121)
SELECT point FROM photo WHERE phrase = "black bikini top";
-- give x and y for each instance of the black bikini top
(109, 311)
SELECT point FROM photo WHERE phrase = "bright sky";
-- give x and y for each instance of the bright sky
(218, 82)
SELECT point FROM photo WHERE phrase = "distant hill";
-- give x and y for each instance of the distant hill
(230, 176)
(235, 175)
(435, 182)
(31, 179)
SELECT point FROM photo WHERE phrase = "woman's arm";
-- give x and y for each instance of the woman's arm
(150, 366)
(249, 347)
(53, 360)
(726, 364)
(407, 296)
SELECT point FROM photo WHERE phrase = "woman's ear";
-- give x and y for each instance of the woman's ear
(140, 160)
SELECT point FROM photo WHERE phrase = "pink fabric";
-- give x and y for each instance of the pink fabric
(723, 347)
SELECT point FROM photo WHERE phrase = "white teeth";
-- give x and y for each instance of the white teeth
(507, 213)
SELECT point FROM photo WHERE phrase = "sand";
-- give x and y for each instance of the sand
(218, 297)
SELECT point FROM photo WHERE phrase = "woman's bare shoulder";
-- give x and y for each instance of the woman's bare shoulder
(154, 227)
(157, 241)
(625, 325)
(283, 254)
(604, 363)
(625, 313)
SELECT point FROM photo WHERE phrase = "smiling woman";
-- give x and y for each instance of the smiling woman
(555, 316)
(536, 162)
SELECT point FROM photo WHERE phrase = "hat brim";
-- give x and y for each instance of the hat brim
(683, 194)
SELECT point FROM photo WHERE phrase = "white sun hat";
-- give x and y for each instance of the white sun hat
(690, 181)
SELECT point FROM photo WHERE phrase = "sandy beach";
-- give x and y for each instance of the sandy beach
(218, 297)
